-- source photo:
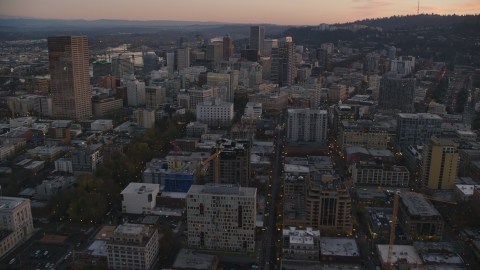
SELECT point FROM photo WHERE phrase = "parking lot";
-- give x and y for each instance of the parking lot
(43, 255)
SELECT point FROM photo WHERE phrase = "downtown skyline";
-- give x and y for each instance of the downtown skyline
(304, 12)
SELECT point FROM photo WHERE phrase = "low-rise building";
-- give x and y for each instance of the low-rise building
(46, 153)
(196, 129)
(190, 260)
(105, 105)
(377, 173)
(139, 198)
(132, 246)
(338, 249)
(215, 112)
(101, 125)
(301, 244)
(17, 222)
(403, 255)
(419, 218)
(52, 186)
(270, 101)
(464, 193)
(363, 133)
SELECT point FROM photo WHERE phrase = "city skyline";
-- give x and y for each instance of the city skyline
(309, 12)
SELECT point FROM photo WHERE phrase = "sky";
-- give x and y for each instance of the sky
(284, 12)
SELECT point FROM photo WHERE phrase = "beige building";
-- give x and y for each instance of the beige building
(154, 95)
(70, 77)
(46, 153)
(104, 106)
(419, 218)
(145, 117)
(440, 164)
(363, 133)
(337, 92)
(270, 101)
(17, 222)
(221, 217)
(132, 246)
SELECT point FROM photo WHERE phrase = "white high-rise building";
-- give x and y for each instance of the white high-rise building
(254, 109)
(221, 217)
(307, 125)
(214, 112)
(136, 93)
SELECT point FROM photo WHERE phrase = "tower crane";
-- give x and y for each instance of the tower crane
(395, 211)
(176, 148)
(215, 156)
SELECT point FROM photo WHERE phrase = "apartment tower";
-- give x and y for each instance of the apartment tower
(69, 77)
(440, 160)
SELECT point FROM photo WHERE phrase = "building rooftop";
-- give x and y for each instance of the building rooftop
(339, 247)
(129, 229)
(289, 168)
(467, 190)
(45, 150)
(189, 259)
(10, 203)
(400, 252)
(139, 188)
(419, 116)
(98, 248)
(419, 206)
(222, 189)
(370, 193)
(306, 236)
(380, 153)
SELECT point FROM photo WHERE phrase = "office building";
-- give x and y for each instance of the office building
(150, 62)
(363, 133)
(416, 129)
(378, 174)
(372, 61)
(136, 93)
(103, 105)
(270, 101)
(439, 166)
(400, 67)
(337, 92)
(69, 77)
(215, 112)
(419, 218)
(307, 125)
(301, 244)
(227, 47)
(268, 44)
(396, 94)
(171, 62)
(43, 106)
(234, 163)
(17, 222)
(257, 37)
(154, 95)
(231, 214)
(132, 246)
(223, 83)
(214, 52)
(344, 113)
(100, 69)
(139, 198)
(284, 58)
(122, 66)
(253, 109)
(197, 96)
(85, 159)
(196, 129)
(145, 117)
(182, 57)
(392, 52)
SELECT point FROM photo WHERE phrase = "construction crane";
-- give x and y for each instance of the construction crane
(395, 211)
(215, 156)
(176, 148)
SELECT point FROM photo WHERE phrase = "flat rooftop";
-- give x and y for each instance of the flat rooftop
(336, 246)
(10, 203)
(289, 168)
(98, 248)
(400, 252)
(419, 116)
(222, 189)
(419, 206)
(369, 193)
(129, 229)
(139, 188)
(189, 259)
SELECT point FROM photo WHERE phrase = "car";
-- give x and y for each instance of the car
(47, 265)
(46, 252)
(254, 266)
(12, 261)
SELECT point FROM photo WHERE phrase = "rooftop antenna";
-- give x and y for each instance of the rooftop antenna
(418, 8)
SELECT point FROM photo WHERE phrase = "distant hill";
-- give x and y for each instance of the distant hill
(421, 20)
